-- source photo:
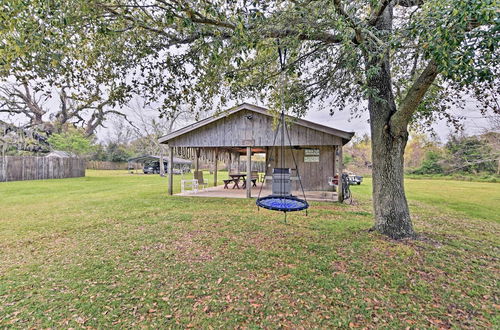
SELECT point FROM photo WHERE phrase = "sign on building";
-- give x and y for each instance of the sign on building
(311, 155)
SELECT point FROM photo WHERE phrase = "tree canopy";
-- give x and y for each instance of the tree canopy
(71, 140)
(180, 52)
(403, 60)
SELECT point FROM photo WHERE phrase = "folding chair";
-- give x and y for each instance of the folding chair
(189, 185)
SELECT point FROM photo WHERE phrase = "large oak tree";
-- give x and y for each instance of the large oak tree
(402, 60)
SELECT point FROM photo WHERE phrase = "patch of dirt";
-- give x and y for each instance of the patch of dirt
(339, 266)
(270, 241)
(190, 248)
(154, 247)
(260, 241)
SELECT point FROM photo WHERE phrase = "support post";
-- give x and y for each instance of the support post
(215, 166)
(170, 171)
(334, 162)
(268, 156)
(341, 168)
(197, 161)
(229, 163)
(249, 172)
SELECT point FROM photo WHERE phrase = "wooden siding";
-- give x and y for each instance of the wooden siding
(18, 168)
(236, 130)
(314, 175)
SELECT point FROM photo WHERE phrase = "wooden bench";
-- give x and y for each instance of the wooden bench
(254, 183)
(226, 182)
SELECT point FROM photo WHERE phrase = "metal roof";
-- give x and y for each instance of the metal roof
(145, 158)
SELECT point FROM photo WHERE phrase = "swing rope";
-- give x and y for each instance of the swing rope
(282, 203)
(295, 162)
(268, 161)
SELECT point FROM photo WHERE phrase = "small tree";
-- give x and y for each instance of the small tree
(417, 148)
(471, 154)
(360, 149)
(150, 126)
(430, 165)
(72, 140)
(118, 152)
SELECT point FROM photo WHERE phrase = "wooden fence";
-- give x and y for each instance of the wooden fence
(18, 168)
(99, 165)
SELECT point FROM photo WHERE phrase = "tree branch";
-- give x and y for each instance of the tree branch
(198, 18)
(377, 13)
(414, 96)
(409, 3)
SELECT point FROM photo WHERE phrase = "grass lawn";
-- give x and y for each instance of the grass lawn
(112, 250)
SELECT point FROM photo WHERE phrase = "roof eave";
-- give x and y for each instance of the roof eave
(326, 129)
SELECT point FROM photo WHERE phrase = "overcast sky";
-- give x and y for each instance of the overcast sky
(474, 122)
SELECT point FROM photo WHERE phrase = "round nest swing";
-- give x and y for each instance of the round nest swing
(282, 203)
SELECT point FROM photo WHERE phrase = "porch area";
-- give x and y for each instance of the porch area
(219, 191)
(309, 154)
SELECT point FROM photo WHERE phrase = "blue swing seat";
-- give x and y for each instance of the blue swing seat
(282, 203)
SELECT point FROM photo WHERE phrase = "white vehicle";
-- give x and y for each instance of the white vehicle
(355, 179)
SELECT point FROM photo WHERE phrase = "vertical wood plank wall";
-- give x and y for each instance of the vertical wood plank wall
(19, 168)
(237, 131)
(314, 175)
(170, 172)
(247, 128)
(249, 172)
(340, 167)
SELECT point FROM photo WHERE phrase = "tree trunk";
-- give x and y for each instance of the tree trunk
(392, 216)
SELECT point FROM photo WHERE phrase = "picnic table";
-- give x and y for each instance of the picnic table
(236, 179)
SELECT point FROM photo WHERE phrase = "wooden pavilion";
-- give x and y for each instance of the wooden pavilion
(248, 129)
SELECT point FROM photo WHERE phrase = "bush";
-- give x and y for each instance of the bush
(430, 165)
(470, 155)
(73, 140)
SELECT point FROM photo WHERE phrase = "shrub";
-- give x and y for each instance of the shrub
(72, 140)
(430, 165)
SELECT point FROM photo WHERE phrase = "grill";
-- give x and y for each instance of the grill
(281, 182)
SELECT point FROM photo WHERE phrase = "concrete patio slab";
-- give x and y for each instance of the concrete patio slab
(220, 192)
